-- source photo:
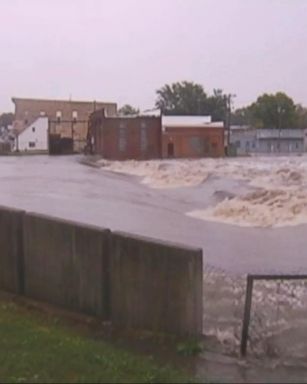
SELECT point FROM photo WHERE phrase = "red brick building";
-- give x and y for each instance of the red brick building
(68, 119)
(192, 137)
(122, 138)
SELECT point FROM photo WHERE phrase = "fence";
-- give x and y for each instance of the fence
(132, 281)
(262, 315)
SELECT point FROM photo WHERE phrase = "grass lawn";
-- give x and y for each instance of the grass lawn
(36, 349)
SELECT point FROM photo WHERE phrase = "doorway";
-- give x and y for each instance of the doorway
(170, 150)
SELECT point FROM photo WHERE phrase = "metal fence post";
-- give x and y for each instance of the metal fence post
(247, 313)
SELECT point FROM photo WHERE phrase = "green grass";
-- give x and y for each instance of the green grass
(36, 349)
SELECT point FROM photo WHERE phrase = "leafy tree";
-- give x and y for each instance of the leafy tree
(6, 119)
(127, 110)
(182, 98)
(188, 98)
(271, 111)
(274, 111)
(301, 116)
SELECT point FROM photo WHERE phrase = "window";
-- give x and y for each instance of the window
(42, 113)
(31, 144)
(253, 145)
(238, 144)
(247, 145)
(26, 121)
(296, 145)
(58, 116)
(75, 116)
(122, 139)
(196, 145)
(33, 129)
(144, 141)
(143, 124)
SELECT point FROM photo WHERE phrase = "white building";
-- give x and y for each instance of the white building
(34, 138)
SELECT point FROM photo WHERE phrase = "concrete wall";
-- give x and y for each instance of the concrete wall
(67, 264)
(136, 282)
(11, 250)
(155, 285)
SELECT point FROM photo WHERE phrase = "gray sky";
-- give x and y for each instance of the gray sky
(123, 50)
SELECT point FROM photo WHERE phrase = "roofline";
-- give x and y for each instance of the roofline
(14, 99)
(192, 126)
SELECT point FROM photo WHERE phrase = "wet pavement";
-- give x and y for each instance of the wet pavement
(62, 187)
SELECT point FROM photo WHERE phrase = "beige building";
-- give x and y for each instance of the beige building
(68, 119)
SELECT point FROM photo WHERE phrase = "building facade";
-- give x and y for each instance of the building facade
(280, 141)
(243, 140)
(123, 138)
(247, 140)
(34, 138)
(67, 118)
(192, 137)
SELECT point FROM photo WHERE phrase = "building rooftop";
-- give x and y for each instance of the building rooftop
(185, 121)
(14, 99)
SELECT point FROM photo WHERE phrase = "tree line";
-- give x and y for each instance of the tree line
(188, 98)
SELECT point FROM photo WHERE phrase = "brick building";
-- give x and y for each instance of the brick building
(192, 137)
(122, 138)
(68, 119)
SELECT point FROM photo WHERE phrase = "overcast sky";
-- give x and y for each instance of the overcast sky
(123, 50)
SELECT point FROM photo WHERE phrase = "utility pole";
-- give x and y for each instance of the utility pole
(229, 99)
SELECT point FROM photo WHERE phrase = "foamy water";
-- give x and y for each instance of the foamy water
(278, 194)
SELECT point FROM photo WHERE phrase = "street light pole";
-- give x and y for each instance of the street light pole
(279, 110)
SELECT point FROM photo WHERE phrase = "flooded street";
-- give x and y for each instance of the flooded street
(60, 186)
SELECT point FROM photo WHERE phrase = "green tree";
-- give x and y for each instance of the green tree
(218, 105)
(182, 98)
(6, 119)
(242, 116)
(274, 111)
(301, 116)
(127, 110)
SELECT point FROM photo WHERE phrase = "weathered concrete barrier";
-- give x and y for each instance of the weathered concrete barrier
(155, 285)
(67, 264)
(11, 250)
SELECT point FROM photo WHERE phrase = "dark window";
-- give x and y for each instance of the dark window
(296, 145)
(238, 144)
(122, 140)
(253, 145)
(26, 121)
(170, 149)
(144, 141)
(214, 148)
(58, 119)
(33, 129)
(31, 144)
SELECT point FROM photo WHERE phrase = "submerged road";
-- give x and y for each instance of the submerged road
(62, 187)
